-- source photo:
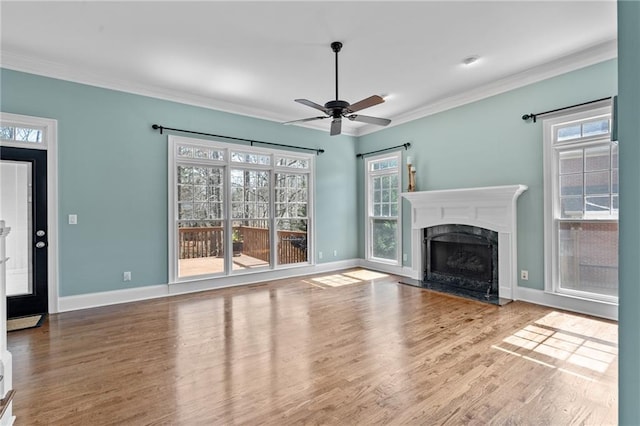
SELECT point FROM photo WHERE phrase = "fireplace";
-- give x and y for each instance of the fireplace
(462, 259)
(474, 219)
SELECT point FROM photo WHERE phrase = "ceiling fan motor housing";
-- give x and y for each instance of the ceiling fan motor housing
(337, 107)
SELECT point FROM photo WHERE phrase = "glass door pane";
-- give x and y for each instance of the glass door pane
(200, 216)
(251, 221)
(292, 195)
(16, 210)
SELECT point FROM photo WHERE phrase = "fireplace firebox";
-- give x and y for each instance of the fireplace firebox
(462, 260)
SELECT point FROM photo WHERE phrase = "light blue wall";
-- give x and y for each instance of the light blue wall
(486, 143)
(113, 175)
(113, 168)
(629, 137)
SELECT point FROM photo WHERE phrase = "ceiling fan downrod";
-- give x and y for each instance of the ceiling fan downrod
(336, 46)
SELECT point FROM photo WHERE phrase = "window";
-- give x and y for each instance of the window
(235, 210)
(581, 205)
(22, 134)
(383, 208)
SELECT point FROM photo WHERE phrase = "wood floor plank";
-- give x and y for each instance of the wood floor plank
(335, 348)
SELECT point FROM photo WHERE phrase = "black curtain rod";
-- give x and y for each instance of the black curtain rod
(318, 151)
(534, 116)
(404, 145)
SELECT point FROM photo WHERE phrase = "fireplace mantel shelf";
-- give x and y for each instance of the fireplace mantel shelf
(492, 207)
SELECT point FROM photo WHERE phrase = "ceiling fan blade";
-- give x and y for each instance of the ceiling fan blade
(369, 120)
(336, 126)
(366, 103)
(302, 120)
(312, 105)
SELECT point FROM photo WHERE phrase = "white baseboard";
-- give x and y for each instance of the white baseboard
(92, 300)
(403, 271)
(105, 298)
(568, 303)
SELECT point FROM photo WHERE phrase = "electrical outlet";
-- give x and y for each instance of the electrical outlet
(404, 257)
(524, 275)
(319, 255)
(335, 253)
(126, 276)
(73, 219)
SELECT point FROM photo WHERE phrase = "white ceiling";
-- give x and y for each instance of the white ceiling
(255, 58)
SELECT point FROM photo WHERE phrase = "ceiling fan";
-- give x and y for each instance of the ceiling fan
(338, 109)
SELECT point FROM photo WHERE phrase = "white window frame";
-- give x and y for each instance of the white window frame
(552, 209)
(227, 165)
(369, 217)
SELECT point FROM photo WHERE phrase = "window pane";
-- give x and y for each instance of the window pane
(571, 162)
(200, 248)
(597, 158)
(250, 194)
(384, 237)
(588, 258)
(571, 185)
(390, 163)
(597, 183)
(292, 241)
(184, 151)
(571, 207)
(569, 132)
(594, 128)
(196, 187)
(294, 163)
(598, 204)
(251, 245)
(6, 133)
(245, 157)
(27, 134)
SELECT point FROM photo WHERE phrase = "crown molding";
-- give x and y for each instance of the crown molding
(31, 65)
(594, 55)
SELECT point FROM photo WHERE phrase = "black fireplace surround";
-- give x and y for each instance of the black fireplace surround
(461, 260)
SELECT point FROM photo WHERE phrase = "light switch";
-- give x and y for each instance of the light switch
(73, 219)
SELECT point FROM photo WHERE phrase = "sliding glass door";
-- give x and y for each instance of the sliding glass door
(236, 209)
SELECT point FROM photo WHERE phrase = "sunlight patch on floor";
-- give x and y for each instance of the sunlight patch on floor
(363, 274)
(569, 339)
(336, 280)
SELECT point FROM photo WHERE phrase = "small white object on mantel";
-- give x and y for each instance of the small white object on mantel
(491, 207)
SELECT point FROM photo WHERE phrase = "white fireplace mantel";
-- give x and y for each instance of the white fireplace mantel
(492, 207)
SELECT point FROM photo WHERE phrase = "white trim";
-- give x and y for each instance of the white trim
(596, 54)
(568, 303)
(93, 300)
(50, 143)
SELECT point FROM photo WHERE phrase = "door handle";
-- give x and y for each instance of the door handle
(41, 244)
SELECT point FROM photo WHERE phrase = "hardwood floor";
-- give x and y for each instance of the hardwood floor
(351, 347)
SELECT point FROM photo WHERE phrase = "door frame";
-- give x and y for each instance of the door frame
(50, 144)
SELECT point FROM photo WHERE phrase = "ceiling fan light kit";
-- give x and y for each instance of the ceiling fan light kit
(339, 109)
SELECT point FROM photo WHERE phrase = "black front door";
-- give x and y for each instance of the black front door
(23, 207)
